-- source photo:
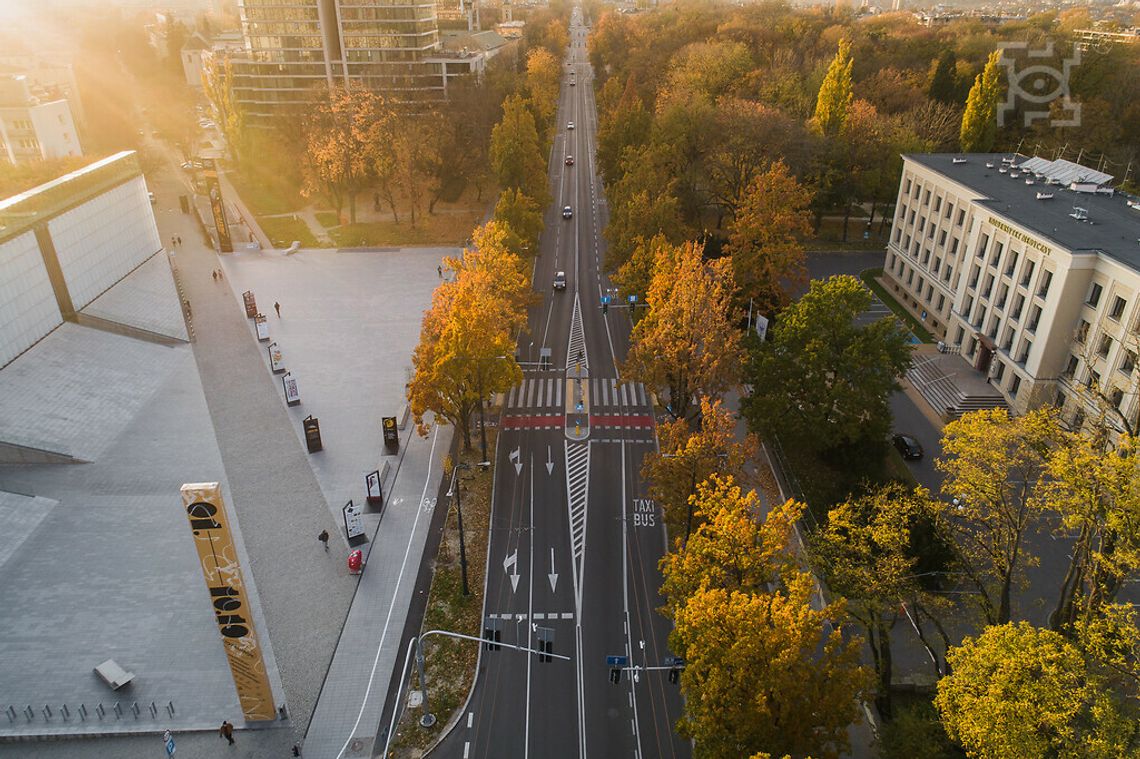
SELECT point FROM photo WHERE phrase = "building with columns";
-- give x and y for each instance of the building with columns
(1030, 269)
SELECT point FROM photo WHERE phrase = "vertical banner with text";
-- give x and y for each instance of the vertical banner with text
(218, 557)
(217, 208)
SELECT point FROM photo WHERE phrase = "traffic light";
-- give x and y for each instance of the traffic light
(615, 675)
(546, 646)
(605, 308)
(674, 676)
(493, 638)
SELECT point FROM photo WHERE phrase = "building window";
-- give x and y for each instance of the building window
(966, 308)
(998, 248)
(982, 246)
(926, 198)
(954, 246)
(961, 217)
(938, 204)
(1105, 346)
(906, 245)
(941, 302)
(909, 277)
(1034, 318)
(1027, 274)
(921, 282)
(930, 232)
(1094, 294)
(898, 235)
(1014, 386)
(958, 336)
(999, 370)
(911, 221)
(949, 210)
(922, 223)
(988, 287)
(1071, 367)
(1118, 306)
(1082, 331)
(906, 188)
(1046, 280)
(1129, 362)
(973, 347)
(1117, 397)
(1007, 340)
(1026, 346)
(1018, 304)
(1011, 265)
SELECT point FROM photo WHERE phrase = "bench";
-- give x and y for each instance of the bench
(114, 675)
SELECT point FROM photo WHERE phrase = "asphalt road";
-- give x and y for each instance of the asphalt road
(574, 543)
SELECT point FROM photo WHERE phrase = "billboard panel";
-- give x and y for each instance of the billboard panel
(218, 557)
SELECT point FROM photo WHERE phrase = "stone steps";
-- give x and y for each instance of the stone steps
(943, 395)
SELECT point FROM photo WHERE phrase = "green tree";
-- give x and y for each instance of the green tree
(823, 381)
(979, 122)
(523, 216)
(643, 204)
(765, 242)
(625, 126)
(835, 93)
(1018, 691)
(686, 458)
(687, 344)
(763, 672)
(993, 464)
(866, 554)
(944, 80)
(516, 154)
(217, 84)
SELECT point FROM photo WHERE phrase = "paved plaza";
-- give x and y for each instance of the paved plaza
(96, 558)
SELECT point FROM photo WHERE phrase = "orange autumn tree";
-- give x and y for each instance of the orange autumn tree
(687, 344)
(766, 241)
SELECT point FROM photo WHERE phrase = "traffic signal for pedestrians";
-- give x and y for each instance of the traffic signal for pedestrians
(615, 675)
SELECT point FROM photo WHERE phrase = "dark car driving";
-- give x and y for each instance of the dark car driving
(907, 446)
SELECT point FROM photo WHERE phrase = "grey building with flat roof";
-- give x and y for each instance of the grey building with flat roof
(1031, 269)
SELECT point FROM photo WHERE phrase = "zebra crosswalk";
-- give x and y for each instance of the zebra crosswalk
(547, 394)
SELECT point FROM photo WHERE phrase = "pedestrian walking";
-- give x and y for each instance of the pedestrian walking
(172, 241)
(220, 277)
(227, 731)
(324, 538)
(277, 308)
(179, 238)
(214, 274)
(439, 271)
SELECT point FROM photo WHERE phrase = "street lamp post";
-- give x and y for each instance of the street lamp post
(455, 486)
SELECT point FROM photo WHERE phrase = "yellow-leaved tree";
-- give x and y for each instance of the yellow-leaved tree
(686, 458)
(993, 464)
(687, 345)
(1018, 691)
(543, 79)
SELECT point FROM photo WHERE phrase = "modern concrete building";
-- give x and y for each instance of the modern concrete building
(294, 47)
(34, 124)
(65, 243)
(1030, 268)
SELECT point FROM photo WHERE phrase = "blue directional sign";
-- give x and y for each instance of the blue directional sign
(633, 299)
(617, 661)
(169, 740)
(605, 299)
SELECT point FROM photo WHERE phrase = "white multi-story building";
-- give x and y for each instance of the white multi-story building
(1029, 267)
(34, 127)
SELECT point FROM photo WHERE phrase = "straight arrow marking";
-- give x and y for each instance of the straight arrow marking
(516, 459)
(553, 576)
(549, 461)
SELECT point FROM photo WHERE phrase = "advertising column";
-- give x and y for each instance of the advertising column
(220, 567)
(217, 208)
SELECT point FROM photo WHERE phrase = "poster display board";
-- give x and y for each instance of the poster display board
(217, 207)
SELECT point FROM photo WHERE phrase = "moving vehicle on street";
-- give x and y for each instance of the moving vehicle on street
(567, 212)
(559, 280)
(908, 446)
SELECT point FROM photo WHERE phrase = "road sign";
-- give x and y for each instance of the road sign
(617, 661)
(632, 299)
(605, 299)
(168, 739)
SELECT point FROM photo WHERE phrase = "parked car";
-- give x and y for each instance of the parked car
(907, 446)
(567, 212)
(569, 160)
(559, 280)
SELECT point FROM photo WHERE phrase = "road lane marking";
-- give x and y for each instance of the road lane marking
(470, 719)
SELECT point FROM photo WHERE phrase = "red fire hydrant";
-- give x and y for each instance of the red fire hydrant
(355, 561)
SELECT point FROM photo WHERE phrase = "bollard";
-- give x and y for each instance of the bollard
(170, 708)
(118, 710)
(29, 713)
(83, 712)
(11, 712)
(153, 710)
(100, 710)
(135, 708)
(47, 713)
(64, 711)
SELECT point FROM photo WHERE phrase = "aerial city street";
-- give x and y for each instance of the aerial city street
(566, 379)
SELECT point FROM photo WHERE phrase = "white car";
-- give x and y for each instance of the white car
(567, 212)
(570, 125)
(559, 280)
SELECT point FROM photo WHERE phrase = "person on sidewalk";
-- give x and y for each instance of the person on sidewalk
(227, 731)
(214, 274)
(277, 308)
(179, 238)
(172, 241)
(439, 271)
(324, 538)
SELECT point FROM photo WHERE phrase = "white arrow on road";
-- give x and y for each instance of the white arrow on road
(549, 461)
(553, 576)
(509, 563)
(516, 459)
